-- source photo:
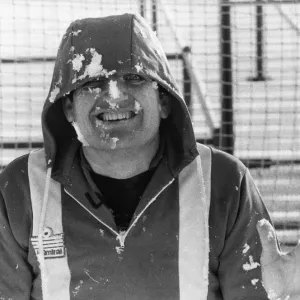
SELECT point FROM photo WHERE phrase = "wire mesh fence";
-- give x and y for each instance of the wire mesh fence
(237, 63)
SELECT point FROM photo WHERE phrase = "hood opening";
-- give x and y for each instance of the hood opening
(58, 133)
(133, 46)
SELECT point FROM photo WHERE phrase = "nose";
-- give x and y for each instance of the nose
(116, 91)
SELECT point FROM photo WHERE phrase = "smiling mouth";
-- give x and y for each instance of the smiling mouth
(113, 117)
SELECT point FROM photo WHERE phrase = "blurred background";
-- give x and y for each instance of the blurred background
(237, 64)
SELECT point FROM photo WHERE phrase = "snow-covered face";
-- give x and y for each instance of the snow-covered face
(121, 111)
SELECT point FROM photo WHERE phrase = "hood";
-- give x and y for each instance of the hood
(96, 47)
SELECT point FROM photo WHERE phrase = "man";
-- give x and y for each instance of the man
(119, 204)
(280, 271)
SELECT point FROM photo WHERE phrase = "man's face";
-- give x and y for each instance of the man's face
(122, 111)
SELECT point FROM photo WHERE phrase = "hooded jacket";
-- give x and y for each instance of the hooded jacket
(193, 235)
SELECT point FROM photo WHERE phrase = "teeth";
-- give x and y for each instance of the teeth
(115, 116)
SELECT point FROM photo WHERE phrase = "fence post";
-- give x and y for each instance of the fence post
(226, 136)
(142, 8)
(259, 43)
(154, 15)
(187, 86)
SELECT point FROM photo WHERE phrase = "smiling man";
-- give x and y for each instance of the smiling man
(122, 113)
(122, 203)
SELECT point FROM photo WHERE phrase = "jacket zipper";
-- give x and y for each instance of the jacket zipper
(99, 220)
(121, 236)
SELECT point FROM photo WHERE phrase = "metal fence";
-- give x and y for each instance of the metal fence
(237, 63)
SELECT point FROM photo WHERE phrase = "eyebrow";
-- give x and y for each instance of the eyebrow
(104, 78)
(94, 81)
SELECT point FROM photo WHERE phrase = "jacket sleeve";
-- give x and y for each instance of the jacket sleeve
(235, 249)
(16, 273)
(239, 269)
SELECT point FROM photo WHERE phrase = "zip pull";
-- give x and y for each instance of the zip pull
(121, 238)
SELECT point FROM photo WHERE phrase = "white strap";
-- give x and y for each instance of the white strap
(56, 263)
(194, 199)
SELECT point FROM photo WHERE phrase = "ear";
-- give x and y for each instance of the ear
(165, 106)
(68, 108)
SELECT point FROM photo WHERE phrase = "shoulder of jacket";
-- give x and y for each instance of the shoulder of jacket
(18, 168)
(224, 161)
(15, 199)
(15, 167)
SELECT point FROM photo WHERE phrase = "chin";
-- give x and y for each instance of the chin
(124, 142)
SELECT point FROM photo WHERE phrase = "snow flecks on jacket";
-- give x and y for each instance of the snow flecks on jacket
(119, 249)
(77, 62)
(271, 235)
(80, 136)
(56, 89)
(94, 68)
(54, 93)
(246, 248)
(77, 288)
(113, 89)
(262, 222)
(254, 281)
(76, 33)
(87, 272)
(251, 265)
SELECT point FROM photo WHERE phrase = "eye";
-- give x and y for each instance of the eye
(134, 79)
(95, 84)
(102, 79)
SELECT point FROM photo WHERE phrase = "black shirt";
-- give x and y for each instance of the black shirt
(122, 196)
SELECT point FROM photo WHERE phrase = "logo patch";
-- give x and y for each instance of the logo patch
(54, 245)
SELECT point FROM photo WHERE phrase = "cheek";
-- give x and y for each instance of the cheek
(152, 116)
(143, 90)
(83, 106)
(147, 96)
(85, 96)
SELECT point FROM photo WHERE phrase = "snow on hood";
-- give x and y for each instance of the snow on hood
(96, 47)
